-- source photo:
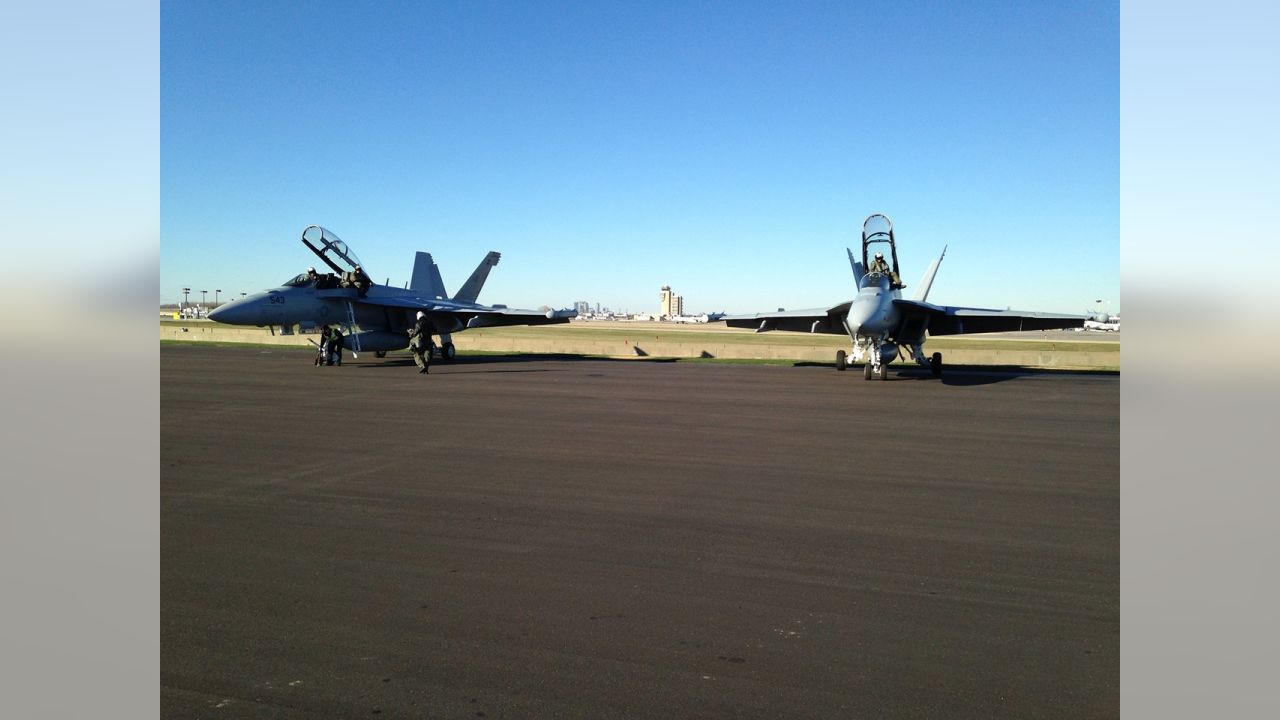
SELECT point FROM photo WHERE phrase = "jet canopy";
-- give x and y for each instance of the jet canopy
(330, 249)
(877, 239)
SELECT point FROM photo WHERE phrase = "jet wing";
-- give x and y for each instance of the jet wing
(470, 315)
(817, 320)
(948, 320)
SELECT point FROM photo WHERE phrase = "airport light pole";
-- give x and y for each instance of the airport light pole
(184, 296)
(215, 297)
(243, 294)
(204, 297)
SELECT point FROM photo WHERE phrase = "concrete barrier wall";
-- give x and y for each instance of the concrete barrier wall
(212, 332)
(824, 352)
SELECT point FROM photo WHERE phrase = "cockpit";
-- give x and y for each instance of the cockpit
(879, 253)
(320, 281)
(337, 255)
(300, 280)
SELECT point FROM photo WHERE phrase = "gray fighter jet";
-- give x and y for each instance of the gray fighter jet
(881, 323)
(377, 317)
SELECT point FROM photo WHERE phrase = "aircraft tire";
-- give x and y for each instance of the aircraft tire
(884, 371)
(866, 371)
(935, 364)
(380, 354)
(448, 352)
(840, 361)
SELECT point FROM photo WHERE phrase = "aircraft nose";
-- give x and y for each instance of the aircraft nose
(861, 314)
(233, 313)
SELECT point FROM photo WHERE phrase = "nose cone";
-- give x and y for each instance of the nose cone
(862, 313)
(239, 312)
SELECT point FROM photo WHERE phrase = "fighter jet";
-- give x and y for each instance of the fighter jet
(377, 317)
(881, 323)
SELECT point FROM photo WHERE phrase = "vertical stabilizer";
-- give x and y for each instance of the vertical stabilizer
(856, 265)
(471, 288)
(426, 277)
(922, 290)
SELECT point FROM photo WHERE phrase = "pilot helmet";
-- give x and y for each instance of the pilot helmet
(421, 314)
(879, 256)
(311, 269)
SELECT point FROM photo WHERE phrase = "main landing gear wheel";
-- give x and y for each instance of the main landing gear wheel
(841, 364)
(448, 352)
(867, 371)
(380, 354)
(935, 364)
(884, 372)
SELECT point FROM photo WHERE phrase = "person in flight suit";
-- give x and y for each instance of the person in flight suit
(420, 341)
(336, 343)
(358, 279)
(878, 265)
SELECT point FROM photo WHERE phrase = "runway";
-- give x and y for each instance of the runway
(515, 538)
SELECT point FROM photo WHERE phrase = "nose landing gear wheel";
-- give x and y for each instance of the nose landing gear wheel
(841, 363)
(448, 352)
(867, 371)
(380, 354)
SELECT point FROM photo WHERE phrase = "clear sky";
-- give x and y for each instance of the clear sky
(730, 150)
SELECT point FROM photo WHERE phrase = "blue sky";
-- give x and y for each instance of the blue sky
(730, 150)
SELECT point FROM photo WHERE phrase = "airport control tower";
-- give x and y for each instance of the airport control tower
(672, 304)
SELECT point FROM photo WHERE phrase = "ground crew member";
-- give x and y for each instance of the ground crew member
(336, 343)
(323, 357)
(420, 341)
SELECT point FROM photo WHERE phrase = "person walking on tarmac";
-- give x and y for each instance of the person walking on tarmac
(420, 341)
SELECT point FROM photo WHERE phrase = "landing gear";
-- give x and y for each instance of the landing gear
(874, 353)
(841, 363)
(448, 352)
(380, 353)
(935, 364)
(873, 373)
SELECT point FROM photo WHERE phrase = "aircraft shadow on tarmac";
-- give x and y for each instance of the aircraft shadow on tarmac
(966, 375)
(980, 375)
(955, 375)
(489, 361)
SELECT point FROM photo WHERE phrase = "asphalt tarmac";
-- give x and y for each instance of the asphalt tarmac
(518, 538)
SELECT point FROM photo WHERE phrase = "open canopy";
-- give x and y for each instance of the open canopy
(330, 249)
(877, 237)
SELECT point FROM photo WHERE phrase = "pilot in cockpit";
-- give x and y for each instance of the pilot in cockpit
(879, 265)
(357, 279)
(311, 275)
